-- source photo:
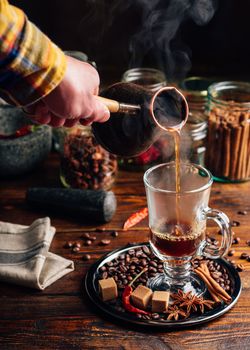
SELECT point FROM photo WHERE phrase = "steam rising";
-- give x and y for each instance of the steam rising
(161, 21)
(158, 29)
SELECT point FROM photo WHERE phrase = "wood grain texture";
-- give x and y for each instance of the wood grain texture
(61, 317)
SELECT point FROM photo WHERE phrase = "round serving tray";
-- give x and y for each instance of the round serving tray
(91, 286)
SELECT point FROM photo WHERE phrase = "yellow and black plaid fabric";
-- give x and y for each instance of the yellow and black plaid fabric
(31, 66)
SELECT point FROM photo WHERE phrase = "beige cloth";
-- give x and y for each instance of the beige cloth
(25, 258)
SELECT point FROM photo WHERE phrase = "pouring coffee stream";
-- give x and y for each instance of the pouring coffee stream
(143, 117)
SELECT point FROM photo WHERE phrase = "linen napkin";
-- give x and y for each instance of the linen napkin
(25, 258)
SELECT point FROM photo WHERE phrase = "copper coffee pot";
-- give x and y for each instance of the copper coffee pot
(141, 118)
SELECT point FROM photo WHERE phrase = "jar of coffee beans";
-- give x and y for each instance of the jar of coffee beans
(84, 163)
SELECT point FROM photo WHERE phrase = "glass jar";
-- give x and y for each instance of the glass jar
(84, 163)
(151, 79)
(194, 133)
(228, 139)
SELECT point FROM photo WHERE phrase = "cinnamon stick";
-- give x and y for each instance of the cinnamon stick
(218, 145)
(235, 142)
(226, 151)
(212, 285)
(245, 152)
(244, 137)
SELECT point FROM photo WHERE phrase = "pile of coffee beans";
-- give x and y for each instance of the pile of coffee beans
(85, 164)
(128, 265)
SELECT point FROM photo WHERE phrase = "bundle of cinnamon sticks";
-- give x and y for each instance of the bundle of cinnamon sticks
(228, 143)
(217, 293)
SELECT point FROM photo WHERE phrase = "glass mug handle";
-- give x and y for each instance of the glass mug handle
(223, 222)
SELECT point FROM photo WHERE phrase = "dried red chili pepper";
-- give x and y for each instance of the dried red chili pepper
(126, 297)
(20, 132)
(135, 218)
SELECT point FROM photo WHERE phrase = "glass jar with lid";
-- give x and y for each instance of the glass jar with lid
(194, 132)
(228, 139)
(84, 163)
(151, 79)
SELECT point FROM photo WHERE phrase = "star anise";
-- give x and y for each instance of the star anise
(191, 302)
(201, 303)
(174, 312)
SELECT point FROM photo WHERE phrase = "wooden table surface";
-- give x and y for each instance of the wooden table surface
(61, 317)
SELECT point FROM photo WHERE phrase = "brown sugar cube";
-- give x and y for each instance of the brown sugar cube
(108, 289)
(160, 301)
(141, 296)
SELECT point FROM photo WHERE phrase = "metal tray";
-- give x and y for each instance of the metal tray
(91, 286)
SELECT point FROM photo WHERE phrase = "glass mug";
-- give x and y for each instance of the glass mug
(177, 223)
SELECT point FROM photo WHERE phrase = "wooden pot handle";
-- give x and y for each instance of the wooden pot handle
(113, 106)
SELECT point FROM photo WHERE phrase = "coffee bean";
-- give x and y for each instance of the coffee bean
(138, 253)
(86, 257)
(240, 267)
(86, 235)
(75, 249)
(146, 250)
(242, 212)
(248, 258)
(123, 268)
(152, 269)
(153, 263)
(105, 241)
(104, 275)
(127, 259)
(231, 252)
(216, 274)
(88, 242)
(235, 223)
(92, 238)
(131, 252)
(68, 244)
(114, 234)
(236, 240)
(77, 244)
(243, 256)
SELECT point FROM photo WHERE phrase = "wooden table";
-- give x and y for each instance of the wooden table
(61, 317)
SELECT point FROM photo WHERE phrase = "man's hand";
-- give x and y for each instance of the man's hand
(73, 100)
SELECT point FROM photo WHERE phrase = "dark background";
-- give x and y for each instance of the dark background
(104, 28)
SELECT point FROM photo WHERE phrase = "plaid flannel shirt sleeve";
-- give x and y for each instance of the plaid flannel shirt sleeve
(31, 66)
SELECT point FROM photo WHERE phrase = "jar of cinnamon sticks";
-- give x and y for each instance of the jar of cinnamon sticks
(228, 139)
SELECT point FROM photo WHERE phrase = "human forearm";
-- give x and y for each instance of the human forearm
(31, 66)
